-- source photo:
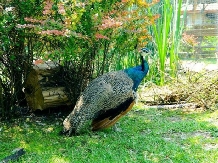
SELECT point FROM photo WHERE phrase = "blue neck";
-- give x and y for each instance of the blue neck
(138, 73)
(145, 66)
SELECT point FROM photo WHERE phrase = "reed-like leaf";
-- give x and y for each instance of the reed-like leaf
(161, 35)
(176, 31)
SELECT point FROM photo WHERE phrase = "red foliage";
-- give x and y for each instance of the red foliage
(119, 18)
(189, 39)
(32, 20)
(47, 7)
(61, 9)
(108, 22)
(53, 32)
(25, 26)
(100, 36)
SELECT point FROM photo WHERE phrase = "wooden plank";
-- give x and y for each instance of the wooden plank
(204, 26)
(199, 11)
(203, 32)
(214, 47)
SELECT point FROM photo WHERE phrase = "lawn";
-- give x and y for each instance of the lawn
(143, 135)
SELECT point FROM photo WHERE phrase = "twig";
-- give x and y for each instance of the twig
(17, 153)
(175, 106)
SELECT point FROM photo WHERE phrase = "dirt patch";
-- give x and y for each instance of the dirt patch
(176, 137)
(198, 66)
(183, 136)
(210, 147)
(174, 119)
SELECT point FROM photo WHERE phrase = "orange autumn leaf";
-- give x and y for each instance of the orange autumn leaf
(38, 61)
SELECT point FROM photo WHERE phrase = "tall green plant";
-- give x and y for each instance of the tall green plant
(176, 32)
(167, 34)
(161, 35)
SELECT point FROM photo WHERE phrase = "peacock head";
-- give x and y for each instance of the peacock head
(145, 51)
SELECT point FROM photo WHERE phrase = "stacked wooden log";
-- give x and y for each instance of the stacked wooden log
(44, 87)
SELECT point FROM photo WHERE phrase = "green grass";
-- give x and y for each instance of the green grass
(144, 135)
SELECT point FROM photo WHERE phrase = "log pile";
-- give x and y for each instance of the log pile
(44, 87)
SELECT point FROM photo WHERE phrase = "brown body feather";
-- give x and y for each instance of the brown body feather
(108, 121)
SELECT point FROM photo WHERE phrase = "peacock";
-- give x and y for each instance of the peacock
(106, 99)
